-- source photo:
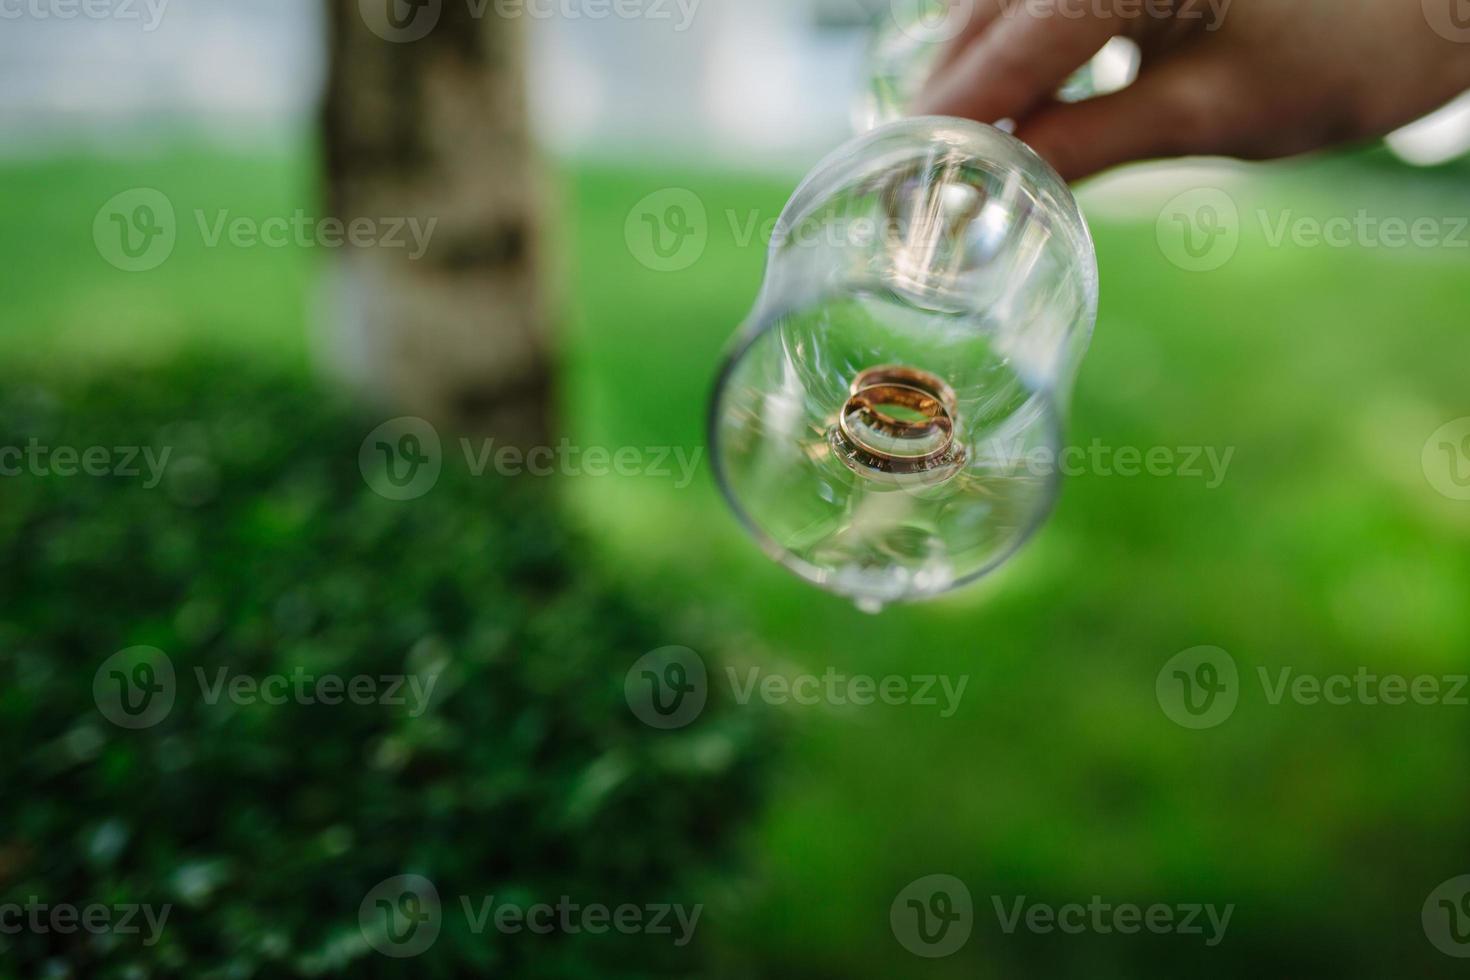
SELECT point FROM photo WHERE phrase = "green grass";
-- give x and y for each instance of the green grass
(1325, 370)
(64, 306)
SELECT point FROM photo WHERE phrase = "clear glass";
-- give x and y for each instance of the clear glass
(930, 290)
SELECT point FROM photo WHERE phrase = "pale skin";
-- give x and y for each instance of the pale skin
(1273, 78)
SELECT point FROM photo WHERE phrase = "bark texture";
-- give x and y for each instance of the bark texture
(435, 128)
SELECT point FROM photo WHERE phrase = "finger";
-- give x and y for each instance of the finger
(1173, 109)
(1020, 61)
(981, 14)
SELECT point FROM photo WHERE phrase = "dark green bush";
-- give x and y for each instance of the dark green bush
(264, 826)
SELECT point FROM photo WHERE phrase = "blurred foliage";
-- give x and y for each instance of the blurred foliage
(263, 551)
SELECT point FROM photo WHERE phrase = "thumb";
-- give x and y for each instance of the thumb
(1173, 109)
(1017, 63)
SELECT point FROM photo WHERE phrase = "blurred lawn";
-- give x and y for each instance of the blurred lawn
(1059, 777)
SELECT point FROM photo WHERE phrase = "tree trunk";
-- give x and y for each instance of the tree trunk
(435, 129)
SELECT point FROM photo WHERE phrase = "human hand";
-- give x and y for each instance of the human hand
(1255, 79)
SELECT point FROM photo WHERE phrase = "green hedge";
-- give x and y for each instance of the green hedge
(263, 551)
